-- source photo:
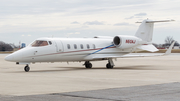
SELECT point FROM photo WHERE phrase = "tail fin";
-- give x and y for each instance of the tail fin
(145, 31)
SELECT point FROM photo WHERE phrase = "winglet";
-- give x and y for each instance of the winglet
(170, 48)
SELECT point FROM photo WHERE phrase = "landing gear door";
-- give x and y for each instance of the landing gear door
(59, 46)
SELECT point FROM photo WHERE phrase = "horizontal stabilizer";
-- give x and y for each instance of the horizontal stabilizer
(151, 21)
(150, 48)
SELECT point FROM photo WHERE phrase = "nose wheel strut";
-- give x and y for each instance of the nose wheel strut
(26, 68)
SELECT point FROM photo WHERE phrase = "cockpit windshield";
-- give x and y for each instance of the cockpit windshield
(39, 43)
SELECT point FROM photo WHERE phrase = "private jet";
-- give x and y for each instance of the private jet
(87, 49)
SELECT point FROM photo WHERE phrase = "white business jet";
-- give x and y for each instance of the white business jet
(87, 49)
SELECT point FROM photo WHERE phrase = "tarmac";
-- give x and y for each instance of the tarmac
(132, 79)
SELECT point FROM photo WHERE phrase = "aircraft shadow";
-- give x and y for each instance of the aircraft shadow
(138, 67)
(142, 67)
(64, 69)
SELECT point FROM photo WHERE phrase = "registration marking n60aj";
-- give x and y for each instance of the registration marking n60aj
(131, 41)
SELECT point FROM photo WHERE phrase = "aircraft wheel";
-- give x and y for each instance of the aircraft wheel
(108, 66)
(88, 64)
(26, 68)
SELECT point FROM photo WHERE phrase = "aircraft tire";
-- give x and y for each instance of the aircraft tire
(88, 65)
(108, 66)
(26, 68)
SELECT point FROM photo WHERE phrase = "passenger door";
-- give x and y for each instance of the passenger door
(59, 46)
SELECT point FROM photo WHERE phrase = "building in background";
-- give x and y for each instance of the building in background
(23, 45)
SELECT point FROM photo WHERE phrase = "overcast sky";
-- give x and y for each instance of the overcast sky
(26, 20)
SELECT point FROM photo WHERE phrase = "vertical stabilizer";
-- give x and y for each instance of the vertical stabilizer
(145, 31)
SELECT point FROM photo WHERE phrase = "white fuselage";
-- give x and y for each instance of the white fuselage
(67, 49)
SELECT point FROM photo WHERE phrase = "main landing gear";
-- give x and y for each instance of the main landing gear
(109, 65)
(26, 68)
(88, 64)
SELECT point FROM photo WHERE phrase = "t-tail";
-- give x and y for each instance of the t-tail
(145, 32)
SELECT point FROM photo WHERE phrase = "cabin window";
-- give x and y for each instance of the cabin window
(50, 42)
(68, 46)
(94, 46)
(75, 46)
(88, 46)
(39, 43)
(81, 46)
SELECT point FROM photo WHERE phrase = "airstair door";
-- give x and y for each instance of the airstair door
(59, 46)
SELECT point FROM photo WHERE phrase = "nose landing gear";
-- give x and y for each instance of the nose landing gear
(26, 68)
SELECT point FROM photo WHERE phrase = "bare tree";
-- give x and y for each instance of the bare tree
(169, 40)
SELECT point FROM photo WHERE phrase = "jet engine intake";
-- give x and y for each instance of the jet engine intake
(123, 42)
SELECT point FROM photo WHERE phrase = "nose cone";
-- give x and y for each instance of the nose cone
(9, 58)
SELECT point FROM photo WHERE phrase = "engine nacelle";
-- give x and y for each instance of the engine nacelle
(123, 42)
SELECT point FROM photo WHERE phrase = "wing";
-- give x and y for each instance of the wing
(125, 55)
(130, 55)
